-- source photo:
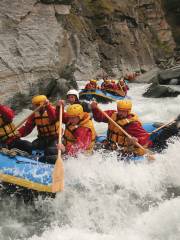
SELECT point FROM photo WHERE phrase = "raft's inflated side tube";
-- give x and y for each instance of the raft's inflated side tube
(99, 95)
(26, 172)
(150, 127)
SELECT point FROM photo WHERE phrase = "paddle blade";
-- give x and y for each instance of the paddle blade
(150, 155)
(58, 176)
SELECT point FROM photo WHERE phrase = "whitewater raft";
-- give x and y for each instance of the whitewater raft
(29, 173)
(19, 171)
(99, 95)
(26, 172)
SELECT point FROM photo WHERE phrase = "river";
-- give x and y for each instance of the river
(105, 199)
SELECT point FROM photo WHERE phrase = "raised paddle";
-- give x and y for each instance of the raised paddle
(149, 154)
(164, 125)
(23, 121)
(58, 173)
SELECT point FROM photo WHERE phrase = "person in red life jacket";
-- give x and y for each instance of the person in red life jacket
(106, 85)
(113, 82)
(73, 98)
(9, 136)
(131, 76)
(79, 135)
(121, 88)
(92, 85)
(47, 126)
(129, 122)
(113, 85)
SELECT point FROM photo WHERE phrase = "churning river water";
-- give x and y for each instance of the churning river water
(105, 199)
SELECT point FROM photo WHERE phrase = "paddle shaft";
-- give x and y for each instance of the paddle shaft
(121, 129)
(23, 121)
(60, 131)
(157, 129)
(58, 173)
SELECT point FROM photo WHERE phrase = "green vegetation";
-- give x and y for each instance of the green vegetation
(164, 47)
(100, 6)
(76, 22)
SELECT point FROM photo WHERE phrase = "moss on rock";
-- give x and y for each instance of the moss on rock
(100, 7)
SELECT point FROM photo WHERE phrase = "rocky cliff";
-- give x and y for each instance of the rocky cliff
(172, 14)
(46, 45)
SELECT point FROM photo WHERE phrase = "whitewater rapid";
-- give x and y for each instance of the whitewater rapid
(105, 199)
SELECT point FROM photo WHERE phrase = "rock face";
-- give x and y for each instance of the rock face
(45, 42)
(172, 12)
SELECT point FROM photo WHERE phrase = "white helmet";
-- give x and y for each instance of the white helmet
(73, 92)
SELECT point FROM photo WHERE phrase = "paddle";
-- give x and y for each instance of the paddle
(58, 173)
(149, 154)
(23, 121)
(164, 125)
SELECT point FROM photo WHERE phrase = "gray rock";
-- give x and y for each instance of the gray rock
(61, 88)
(159, 91)
(170, 73)
(148, 77)
(174, 81)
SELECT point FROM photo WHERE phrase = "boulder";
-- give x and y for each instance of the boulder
(147, 77)
(59, 89)
(159, 91)
(53, 88)
(165, 83)
(167, 75)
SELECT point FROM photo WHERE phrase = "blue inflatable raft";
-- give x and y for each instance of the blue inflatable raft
(31, 174)
(26, 172)
(99, 95)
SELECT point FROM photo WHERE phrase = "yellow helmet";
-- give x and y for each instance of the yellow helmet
(107, 81)
(93, 80)
(124, 104)
(38, 99)
(75, 110)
